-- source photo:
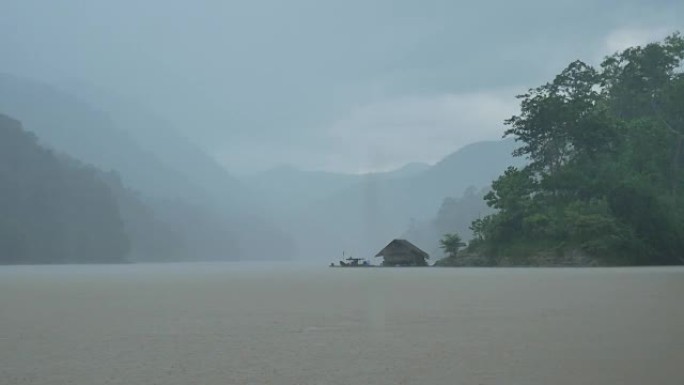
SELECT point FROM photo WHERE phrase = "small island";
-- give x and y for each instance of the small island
(604, 179)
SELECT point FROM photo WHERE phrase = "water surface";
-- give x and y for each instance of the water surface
(277, 324)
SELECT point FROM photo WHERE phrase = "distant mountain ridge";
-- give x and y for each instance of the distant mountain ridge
(358, 213)
(186, 187)
(288, 188)
(159, 137)
(223, 217)
(66, 123)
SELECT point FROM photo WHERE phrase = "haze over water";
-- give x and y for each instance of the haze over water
(236, 323)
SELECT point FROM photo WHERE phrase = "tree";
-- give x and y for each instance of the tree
(451, 244)
(606, 169)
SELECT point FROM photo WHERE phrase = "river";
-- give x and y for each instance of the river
(237, 323)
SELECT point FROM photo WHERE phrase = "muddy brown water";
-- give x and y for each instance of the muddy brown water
(275, 324)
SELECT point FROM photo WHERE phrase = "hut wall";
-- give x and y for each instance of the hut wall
(402, 258)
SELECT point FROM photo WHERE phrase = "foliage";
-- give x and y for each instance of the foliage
(605, 171)
(451, 244)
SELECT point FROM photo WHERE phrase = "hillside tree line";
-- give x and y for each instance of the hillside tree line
(605, 172)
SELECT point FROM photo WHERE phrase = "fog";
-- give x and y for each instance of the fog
(320, 86)
(262, 130)
(341, 192)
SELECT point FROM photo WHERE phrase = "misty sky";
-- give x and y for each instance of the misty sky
(352, 85)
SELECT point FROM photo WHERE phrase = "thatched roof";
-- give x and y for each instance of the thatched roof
(404, 246)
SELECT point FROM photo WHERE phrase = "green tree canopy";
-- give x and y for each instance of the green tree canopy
(604, 176)
(451, 244)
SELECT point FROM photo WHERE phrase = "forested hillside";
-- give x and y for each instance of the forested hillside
(606, 174)
(52, 209)
(195, 210)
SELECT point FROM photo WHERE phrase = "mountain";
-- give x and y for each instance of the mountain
(455, 215)
(151, 238)
(407, 170)
(53, 209)
(161, 139)
(195, 197)
(179, 192)
(329, 213)
(476, 164)
(69, 125)
(287, 189)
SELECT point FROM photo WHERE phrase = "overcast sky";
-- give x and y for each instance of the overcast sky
(352, 85)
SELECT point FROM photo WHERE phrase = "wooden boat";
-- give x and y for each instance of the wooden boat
(353, 262)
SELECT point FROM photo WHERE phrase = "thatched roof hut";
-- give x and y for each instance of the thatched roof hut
(401, 252)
